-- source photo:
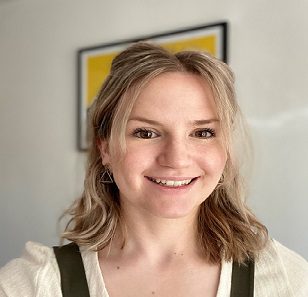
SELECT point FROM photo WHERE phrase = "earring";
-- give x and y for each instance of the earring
(106, 177)
(221, 181)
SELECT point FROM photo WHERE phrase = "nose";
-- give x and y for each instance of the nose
(175, 153)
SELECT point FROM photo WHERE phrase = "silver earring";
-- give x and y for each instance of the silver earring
(106, 177)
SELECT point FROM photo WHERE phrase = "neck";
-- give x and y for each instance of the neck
(156, 239)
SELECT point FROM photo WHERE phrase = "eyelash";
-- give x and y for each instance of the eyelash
(137, 132)
(207, 130)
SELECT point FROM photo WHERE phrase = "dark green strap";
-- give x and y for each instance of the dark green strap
(242, 282)
(73, 277)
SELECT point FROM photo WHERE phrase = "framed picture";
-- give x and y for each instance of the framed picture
(94, 62)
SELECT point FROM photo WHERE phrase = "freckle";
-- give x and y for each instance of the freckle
(174, 253)
(182, 254)
(153, 292)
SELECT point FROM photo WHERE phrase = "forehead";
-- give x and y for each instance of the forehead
(175, 96)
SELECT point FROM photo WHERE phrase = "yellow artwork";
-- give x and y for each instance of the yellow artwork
(95, 63)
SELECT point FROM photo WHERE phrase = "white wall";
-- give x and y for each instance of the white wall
(40, 169)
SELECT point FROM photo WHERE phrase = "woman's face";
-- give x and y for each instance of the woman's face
(175, 156)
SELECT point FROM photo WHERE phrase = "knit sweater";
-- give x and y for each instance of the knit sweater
(279, 272)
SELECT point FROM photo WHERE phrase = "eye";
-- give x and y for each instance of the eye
(145, 133)
(204, 133)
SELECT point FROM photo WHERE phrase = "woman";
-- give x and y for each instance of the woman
(163, 209)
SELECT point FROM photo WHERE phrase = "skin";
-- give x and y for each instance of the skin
(173, 133)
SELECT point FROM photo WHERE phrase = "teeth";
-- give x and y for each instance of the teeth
(171, 183)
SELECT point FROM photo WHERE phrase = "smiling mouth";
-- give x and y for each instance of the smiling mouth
(171, 183)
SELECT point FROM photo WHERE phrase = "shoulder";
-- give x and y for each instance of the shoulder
(35, 273)
(280, 272)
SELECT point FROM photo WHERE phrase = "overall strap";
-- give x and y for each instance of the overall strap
(73, 277)
(74, 282)
(242, 281)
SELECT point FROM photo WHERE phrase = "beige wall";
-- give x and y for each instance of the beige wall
(40, 169)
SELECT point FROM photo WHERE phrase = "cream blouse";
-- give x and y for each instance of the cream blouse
(279, 272)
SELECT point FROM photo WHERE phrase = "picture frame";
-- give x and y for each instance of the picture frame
(94, 62)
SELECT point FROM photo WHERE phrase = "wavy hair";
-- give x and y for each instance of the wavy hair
(227, 229)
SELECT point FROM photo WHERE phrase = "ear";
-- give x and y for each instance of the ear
(104, 151)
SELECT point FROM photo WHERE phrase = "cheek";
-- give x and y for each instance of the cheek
(141, 156)
(132, 168)
(215, 159)
(137, 159)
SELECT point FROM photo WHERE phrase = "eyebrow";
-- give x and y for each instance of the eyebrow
(152, 122)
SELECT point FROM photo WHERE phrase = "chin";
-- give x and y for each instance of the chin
(175, 213)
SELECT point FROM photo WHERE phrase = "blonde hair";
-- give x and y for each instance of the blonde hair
(227, 229)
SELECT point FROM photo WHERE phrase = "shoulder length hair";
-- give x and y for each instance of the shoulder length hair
(227, 229)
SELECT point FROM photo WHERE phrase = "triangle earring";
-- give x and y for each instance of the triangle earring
(106, 177)
(221, 181)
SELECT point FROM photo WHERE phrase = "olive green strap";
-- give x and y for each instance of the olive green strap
(73, 277)
(242, 281)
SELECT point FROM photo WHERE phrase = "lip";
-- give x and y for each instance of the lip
(175, 178)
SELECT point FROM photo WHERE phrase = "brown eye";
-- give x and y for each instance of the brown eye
(145, 134)
(204, 133)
